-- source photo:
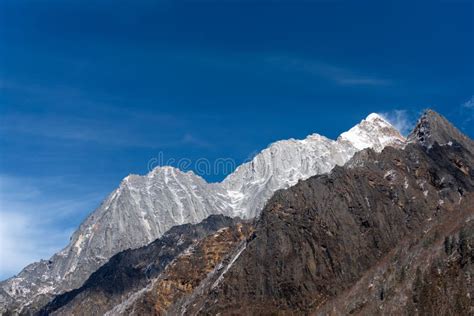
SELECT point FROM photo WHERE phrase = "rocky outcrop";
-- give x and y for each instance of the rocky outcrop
(433, 128)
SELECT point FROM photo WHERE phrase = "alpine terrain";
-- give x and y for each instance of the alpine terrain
(143, 208)
(390, 232)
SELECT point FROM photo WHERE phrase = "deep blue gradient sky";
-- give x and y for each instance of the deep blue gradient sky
(92, 90)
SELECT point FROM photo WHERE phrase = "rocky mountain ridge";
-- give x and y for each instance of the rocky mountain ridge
(143, 208)
(388, 233)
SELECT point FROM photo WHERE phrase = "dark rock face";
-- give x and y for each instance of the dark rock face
(131, 270)
(316, 241)
(427, 275)
(445, 286)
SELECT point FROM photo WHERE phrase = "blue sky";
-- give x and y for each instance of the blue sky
(92, 90)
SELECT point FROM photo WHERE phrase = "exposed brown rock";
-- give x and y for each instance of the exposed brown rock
(187, 271)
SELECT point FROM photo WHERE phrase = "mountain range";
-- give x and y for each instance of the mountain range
(302, 228)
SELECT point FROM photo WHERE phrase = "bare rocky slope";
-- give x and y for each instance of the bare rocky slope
(388, 233)
(143, 208)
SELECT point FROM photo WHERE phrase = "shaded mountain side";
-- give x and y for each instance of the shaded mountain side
(428, 275)
(317, 239)
(132, 270)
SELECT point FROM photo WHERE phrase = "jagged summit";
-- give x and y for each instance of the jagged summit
(432, 128)
(374, 132)
(143, 208)
(167, 170)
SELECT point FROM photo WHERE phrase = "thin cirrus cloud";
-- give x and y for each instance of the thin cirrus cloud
(339, 75)
(124, 131)
(68, 128)
(32, 219)
(109, 125)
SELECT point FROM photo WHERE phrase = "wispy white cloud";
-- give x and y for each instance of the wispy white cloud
(469, 103)
(32, 220)
(361, 81)
(59, 127)
(467, 112)
(36, 89)
(123, 130)
(337, 74)
(401, 119)
(24, 241)
(103, 121)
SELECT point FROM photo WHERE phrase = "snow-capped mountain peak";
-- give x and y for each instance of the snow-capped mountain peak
(374, 132)
(143, 208)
